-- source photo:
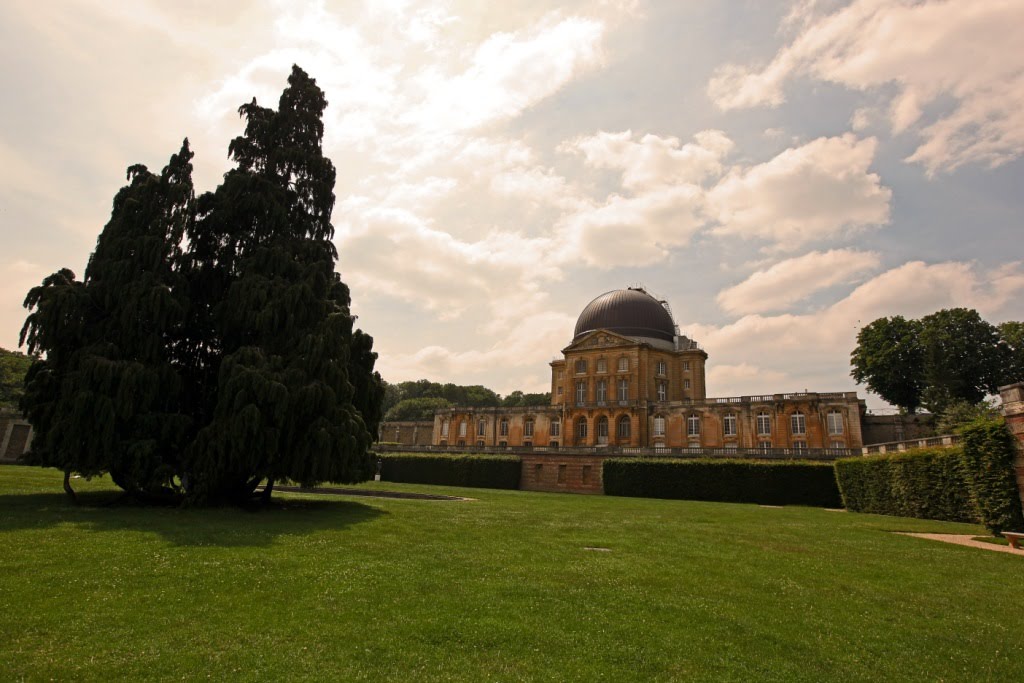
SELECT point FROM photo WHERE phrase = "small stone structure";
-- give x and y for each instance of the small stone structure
(15, 436)
(407, 433)
(1012, 396)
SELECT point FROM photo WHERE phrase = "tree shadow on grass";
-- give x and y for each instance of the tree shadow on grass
(109, 511)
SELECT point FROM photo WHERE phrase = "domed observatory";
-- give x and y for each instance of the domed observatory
(626, 358)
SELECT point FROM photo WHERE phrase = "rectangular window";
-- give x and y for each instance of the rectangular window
(559, 391)
(686, 384)
(444, 428)
(835, 422)
(764, 423)
(528, 429)
(661, 368)
(623, 389)
(623, 364)
(686, 366)
(503, 428)
(798, 423)
(462, 429)
(693, 425)
(581, 392)
(581, 367)
(481, 428)
(838, 444)
(662, 391)
(556, 428)
(561, 374)
(729, 425)
(800, 445)
(602, 391)
(659, 426)
(602, 365)
(765, 445)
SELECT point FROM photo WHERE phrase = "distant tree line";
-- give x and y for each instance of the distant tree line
(940, 362)
(13, 368)
(417, 400)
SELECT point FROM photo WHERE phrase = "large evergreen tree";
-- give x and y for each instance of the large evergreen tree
(210, 345)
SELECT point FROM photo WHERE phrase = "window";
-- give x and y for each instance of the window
(480, 442)
(662, 391)
(444, 427)
(602, 391)
(528, 428)
(838, 444)
(686, 384)
(765, 445)
(581, 392)
(625, 427)
(729, 425)
(835, 422)
(561, 374)
(503, 427)
(559, 391)
(623, 389)
(581, 367)
(602, 365)
(462, 429)
(686, 366)
(602, 429)
(481, 427)
(581, 428)
(556, 428)
(798, 423)
(764, 423)
(693, 425)
(659, 426)
(800, 445)
(661, 368)
(623, 364)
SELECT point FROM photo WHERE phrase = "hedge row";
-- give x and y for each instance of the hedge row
(928, 483)
(727, 481)
(989, 450)
(477, 471)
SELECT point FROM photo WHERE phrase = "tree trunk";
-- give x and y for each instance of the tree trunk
(67, 487)
(267, 491)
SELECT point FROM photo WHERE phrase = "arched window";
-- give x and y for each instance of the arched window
(659, 425)
(625, 427)
(835, 422)
(444, 427)
(764, 423)
(581, 428)
(503, 427)
(693, 425)
(556, 428)
(602, 391)
(481, 427)
(798, 423)
(729, 425)
(528, 428)
(602, 429)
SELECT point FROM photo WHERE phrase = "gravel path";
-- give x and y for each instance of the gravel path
(964, 539)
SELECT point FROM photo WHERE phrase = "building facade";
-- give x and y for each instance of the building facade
(630, 379)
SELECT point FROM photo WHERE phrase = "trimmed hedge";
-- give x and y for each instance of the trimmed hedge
(928, 484)
(988, 454)
(476, 471)
(726, 481)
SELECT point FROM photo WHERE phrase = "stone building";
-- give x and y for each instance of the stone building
(629, 379)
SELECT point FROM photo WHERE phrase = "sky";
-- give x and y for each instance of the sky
(782, 173)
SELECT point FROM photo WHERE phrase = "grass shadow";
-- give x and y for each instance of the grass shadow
(109, 511)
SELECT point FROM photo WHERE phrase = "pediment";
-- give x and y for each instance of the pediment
(600, 339)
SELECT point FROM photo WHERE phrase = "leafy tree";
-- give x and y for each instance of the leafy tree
(416, 409)
(1011, 335)
(13, 368)
(518, 399)
(962, 358)
(889, 360)
(959, 413)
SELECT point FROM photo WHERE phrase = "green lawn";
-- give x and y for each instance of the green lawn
(499, 588)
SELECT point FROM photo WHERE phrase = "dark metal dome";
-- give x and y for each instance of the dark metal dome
(629, 312)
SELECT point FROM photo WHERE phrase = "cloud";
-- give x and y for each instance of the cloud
(793, 280)
(819, 191)
(965, 51)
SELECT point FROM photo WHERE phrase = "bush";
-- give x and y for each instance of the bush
(727, 481)
(988, 454)
(477, 471)
(927, 484)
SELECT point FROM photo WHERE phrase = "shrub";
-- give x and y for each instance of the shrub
(729, 481)
(988, 454)
(477, 471)
(927, 483)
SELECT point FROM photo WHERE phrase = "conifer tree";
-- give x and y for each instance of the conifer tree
(296, 397)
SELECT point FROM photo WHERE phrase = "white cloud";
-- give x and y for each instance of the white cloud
(819, 191)
(967, 51)
(793, 280)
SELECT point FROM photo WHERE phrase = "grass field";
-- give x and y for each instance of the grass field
(498, 588)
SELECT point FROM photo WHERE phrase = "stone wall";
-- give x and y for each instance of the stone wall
(407, 433)
(892, 428)
(1013, 410)
(562, 473)
(15, 436)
